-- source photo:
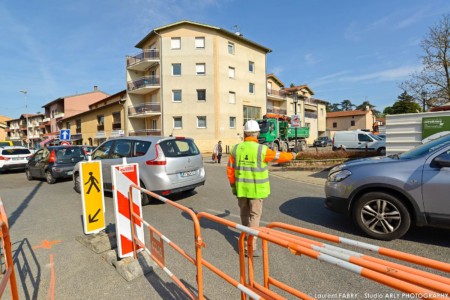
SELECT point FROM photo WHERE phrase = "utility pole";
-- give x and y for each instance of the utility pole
(26, 114)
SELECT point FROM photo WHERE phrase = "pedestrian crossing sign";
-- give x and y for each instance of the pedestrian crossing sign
(92, 198)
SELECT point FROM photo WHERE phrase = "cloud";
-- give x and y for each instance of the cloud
(310, 59)
(277, 71)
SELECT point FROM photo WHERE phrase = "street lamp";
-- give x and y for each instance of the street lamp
(295, 113)
(26, 111)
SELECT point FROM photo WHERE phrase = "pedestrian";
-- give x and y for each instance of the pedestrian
(218, 152)
(248, 174)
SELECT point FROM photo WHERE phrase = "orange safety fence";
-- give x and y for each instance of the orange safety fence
(394, 275)
(9, 274)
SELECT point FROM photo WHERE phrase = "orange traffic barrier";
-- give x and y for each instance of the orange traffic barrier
(7, 252)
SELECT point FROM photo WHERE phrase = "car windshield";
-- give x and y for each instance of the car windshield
(69, 154)
(263, 126)
(179, 147)
(427, 148)
(323, 138)
(15, 151)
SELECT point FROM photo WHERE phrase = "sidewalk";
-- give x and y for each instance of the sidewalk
(317, 177)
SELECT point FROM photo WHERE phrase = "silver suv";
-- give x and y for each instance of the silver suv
(384, 195)
(167, 165)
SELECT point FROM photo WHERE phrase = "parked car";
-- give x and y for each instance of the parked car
(54, 162)
(88, 149)
(322, 141)
(13, 157)
(358, 140)
(167, 165)
(385, 195)
(6, 143)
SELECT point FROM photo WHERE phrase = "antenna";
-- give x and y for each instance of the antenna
(237, 30)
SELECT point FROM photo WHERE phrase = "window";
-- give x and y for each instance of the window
(232, 97)
(175, 43)
(100, 119)
(364, 138)
(117, 124)
(102, 152)
(200, 69)
(251, 67)
(251, 88)
(67, 125)
(201, 122)
(321, 112)
(232, 122)
(352, 123)
(199, 42)
(140, 148)
(176, 95)
(251, 113)
(177, 122)
(122, 148)
(230, 47)
(176, 69)
(231, 72)
(201, 95)
(78, 125)
(334, 124)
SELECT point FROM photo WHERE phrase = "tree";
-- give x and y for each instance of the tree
(431, 86)
(368, 104)
(333, 107)
(347, 105)
(405, 104)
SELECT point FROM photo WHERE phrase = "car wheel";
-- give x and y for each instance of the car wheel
(76, 183)
(381, 216)
(381, 151)
(49, 177)
(28, 174)
(145, 198)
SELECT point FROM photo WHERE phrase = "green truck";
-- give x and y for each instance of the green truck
(278, 134)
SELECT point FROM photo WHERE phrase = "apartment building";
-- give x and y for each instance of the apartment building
(64, 107)
(23, 133)
(104, 119)
(4, 130)
(195, 80)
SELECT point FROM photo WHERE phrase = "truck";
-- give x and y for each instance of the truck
(277, 133)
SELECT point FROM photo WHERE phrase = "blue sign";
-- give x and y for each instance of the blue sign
(64, 135)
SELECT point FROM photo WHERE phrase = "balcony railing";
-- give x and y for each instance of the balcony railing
(146, 83)
(311, 115)
(143, 60)
(276, 93)
(144, 108)
(145, 132)
(59, 115)
(276, 110)
(46, 120)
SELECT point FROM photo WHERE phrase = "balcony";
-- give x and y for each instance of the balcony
(155, 132)
(59, 115)
(143, 61)
(276, 94)
(46, 120)
(7, 129)
(276, 110)
(143, 85)
(144, 110)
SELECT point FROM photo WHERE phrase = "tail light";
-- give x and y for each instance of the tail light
(160, 159)
(4, 158)
(52, 157)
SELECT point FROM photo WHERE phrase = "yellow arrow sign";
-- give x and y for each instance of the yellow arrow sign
(91, 183)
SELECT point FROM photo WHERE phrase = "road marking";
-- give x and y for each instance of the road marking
(47, 244)
(231, 215)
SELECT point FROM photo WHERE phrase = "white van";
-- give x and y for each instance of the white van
(358, 140)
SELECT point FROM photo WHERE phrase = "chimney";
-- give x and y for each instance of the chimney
(367, 107)
(95, 88)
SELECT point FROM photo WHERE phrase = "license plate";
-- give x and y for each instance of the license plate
(188, 173)
(17, 158)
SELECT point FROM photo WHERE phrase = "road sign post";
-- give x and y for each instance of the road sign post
(91, 185)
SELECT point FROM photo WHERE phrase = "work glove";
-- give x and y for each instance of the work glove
(233, 189)
(294, 155)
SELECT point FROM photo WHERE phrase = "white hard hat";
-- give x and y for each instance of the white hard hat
(251, 126)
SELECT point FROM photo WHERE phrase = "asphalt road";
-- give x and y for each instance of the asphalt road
(45, 221)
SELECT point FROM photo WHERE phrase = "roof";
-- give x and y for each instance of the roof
(299, 88)
(70, 96)
(275, 78)
(186, 22)
(347, 113)
(444, 107)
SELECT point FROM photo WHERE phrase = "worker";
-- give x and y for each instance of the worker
(248, 173)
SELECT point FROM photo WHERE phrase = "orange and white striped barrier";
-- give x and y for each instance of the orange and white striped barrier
(122, 177)
(9, 275)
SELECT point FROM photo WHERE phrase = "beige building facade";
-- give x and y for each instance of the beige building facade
(350, 120)
(195, 80)
(104, 119)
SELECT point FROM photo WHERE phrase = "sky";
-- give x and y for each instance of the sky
(342, 49)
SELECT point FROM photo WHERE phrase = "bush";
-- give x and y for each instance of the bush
(339, 154)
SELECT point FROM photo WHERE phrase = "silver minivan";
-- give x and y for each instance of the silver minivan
(167, 165)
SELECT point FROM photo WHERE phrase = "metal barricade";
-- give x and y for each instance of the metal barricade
(7, 252)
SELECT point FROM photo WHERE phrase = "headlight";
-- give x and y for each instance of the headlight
(339, 176)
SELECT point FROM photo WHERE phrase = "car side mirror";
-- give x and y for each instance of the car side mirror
(442, 160)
